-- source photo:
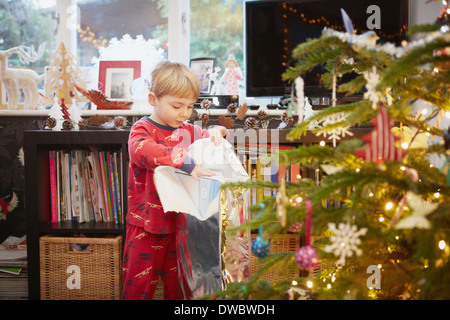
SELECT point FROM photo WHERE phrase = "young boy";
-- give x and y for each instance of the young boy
(150, 249)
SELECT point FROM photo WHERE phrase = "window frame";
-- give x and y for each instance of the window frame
(178, 21)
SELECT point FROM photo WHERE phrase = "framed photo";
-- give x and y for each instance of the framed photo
(203, 69)
(115, 78)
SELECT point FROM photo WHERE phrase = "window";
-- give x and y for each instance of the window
(28, 23)
(216, 30)
(102, 20)
(215, 26)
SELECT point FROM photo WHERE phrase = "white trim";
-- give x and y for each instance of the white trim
(68, 13)
(179, 30)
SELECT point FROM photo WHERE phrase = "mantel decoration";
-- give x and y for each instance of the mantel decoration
(17, 80)
(146, 52)
(61, 76)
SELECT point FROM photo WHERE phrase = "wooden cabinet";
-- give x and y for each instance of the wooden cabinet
(37, 145)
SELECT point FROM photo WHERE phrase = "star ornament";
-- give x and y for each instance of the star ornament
(420, 209)
(381, 141)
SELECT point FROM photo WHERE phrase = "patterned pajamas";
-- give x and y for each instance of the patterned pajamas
(156, 239)
(156, 257)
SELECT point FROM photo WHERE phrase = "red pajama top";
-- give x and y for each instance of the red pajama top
(151, 144)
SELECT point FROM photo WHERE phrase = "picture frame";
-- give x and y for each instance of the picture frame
(115, 78)
(203, 68)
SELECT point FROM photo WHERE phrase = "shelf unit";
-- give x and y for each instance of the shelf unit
(37, 145)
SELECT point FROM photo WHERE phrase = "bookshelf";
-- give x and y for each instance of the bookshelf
(38, 143)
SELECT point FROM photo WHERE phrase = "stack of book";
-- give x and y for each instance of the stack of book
(86, 185)
(13, 269)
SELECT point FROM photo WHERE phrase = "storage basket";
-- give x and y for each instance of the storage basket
(92, 273)
(278, 243)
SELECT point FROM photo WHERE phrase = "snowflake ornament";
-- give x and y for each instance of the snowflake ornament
(337, 133)
(372, 94)
(345, 241)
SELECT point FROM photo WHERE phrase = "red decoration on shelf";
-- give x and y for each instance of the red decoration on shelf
(64, 110)
(381, 140)
(101, 101)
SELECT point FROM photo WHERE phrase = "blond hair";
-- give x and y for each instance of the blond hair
(172, 78)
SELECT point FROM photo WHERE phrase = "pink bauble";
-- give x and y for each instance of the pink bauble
(296, 227)
(306, 257)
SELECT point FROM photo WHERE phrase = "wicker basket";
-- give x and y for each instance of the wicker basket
(278, 243)
(95, 273)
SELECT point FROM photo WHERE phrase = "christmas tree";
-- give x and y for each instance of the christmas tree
(61, 76)
(377, 225)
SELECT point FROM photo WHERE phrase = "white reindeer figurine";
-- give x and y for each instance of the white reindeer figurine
(25, 79)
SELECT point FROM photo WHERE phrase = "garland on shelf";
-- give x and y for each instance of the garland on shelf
(94, 122)
(240, 112)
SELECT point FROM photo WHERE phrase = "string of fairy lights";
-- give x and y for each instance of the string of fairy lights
(291, 12)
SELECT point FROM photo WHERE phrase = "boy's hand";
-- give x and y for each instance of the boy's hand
(216, 134)
(200, 171)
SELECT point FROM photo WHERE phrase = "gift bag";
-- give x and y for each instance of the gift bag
(208, 258)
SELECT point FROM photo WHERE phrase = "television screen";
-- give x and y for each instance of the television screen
(274, 28)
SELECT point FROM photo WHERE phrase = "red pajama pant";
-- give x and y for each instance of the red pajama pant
(147, 257)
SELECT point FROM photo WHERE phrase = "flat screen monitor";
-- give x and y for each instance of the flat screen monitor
(274, 28)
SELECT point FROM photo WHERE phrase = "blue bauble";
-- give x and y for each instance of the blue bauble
(260, 247)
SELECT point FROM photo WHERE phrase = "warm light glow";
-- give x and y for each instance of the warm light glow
(322, 143)
(299, 199)
(389, 205)
(403, 168)
(328, 286)
(309, 284)
(294, 283)
(357, 170)
(424, 111)
(381, 219)
(437, 195)
(442, 244)
(405, 145)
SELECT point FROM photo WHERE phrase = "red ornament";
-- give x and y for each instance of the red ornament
(101, 101)
(381, 140)
(64, 110)
(306, 257)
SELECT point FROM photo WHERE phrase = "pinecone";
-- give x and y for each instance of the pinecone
(50, 122)
(83, 123)
(67, 125)
(206, 104)
(205, 118)
(250, 122)
(120, 121)
(262, 114)
(232, 107)
(286, 119)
